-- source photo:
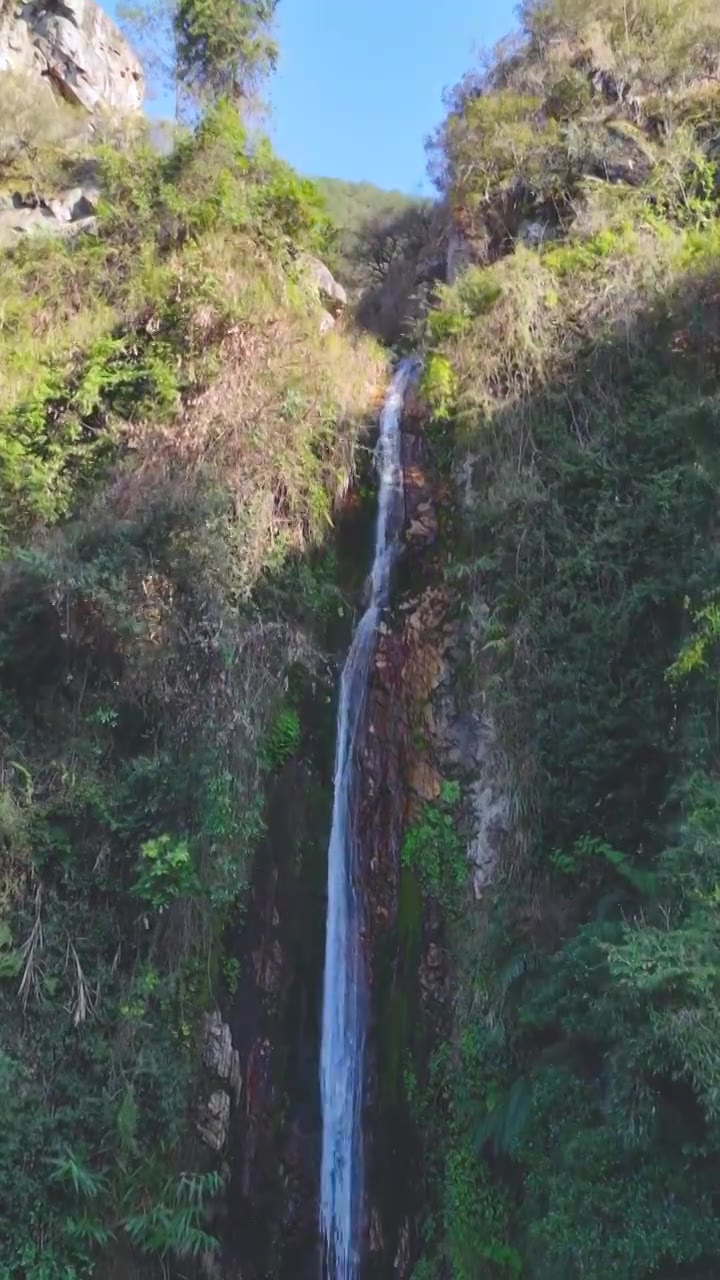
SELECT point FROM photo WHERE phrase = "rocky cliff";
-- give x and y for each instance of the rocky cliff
(74, 48)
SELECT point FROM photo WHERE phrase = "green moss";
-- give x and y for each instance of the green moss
(582, 255)
(434, 850)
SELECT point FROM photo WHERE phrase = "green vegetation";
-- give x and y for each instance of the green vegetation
(387, 247)
(352, 205)
(33, 136)
(173, 433)
(577, 373)
(354, 208)
(223, 46)
(202, 51)
(433, 849)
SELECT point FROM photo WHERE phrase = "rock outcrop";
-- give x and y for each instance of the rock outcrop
(223, 1063)
(77, 48)
(321, 279)
(67, 214)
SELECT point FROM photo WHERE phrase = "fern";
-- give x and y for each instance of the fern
(504, 1124)
(517, 966)
(69, 1169)
(174, 1223)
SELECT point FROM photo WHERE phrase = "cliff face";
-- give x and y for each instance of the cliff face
(76, 48)
(573, 376)
(181, 550)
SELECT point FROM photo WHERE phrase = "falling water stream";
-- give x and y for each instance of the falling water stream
(344, 997)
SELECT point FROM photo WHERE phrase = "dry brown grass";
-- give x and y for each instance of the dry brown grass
(38, 131)
(273, 431)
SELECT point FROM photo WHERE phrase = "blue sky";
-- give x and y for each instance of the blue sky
(360, 81)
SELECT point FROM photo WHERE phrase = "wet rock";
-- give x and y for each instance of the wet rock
(402, 1261)
(421, 526)
(460, 732)
(490, 823)
(211, 1268)
(415, 411)
(268, 964)
(376, 1241)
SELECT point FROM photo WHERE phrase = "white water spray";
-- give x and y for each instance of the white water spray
(343, 1030)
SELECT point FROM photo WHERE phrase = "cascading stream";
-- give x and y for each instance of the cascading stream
(344, 998)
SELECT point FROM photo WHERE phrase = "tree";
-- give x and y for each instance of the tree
(224, 47)
(201, 50)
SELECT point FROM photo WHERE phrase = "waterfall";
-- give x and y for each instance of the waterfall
(344, 996)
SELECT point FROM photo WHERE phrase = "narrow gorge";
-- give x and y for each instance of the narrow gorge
(359, 647)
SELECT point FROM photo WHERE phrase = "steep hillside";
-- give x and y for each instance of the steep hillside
(354, 205)
(361, 215)
(177, 422)
(573, 369)
(390, 248)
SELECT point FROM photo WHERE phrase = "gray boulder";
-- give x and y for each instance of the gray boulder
(214, 1120)
(219, 1055)
(78, 202)
(69, 214)
(223, 1063)
(321, 279)
(77, 47)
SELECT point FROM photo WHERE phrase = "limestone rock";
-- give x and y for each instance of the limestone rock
(459, 255)
(489, 803)
(77, 203)
(322, 280)
(424, 780)
(214, 1121)
(16, 223)
(533, 232)
(219, 1055)
(327, 322)
(77, 47)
